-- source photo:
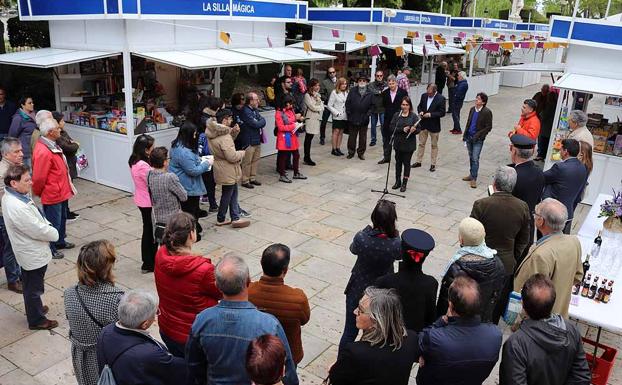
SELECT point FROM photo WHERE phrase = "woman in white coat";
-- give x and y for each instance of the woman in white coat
(314, 110)
(337, 107)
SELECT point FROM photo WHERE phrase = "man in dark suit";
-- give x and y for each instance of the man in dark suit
(566, 180)
(391, 100)
(506, 220)
(529, 178)
(478, 126)
(431, 109)
(441, 77)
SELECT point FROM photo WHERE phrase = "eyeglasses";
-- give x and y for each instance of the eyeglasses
(379, 76)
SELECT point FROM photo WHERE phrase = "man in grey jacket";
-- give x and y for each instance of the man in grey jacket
(546, 350)
(326, 87)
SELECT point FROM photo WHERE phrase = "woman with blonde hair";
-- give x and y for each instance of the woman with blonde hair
(337, 107)
(385, 343)
(90, 305)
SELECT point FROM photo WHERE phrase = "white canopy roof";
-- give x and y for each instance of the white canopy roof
(452, 50)
(284, 54)
(591, 84)
(326, 45)
(532, 67)
(203, 58)
(52, 57)
(417, 49)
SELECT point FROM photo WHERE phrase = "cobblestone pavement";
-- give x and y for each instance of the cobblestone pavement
(317, 218)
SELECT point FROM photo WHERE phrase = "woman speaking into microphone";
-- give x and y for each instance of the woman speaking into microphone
(404, 125)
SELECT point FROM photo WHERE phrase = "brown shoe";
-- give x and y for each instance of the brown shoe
(467, 178)
(238, 224)
(46, 325)
(46, 309)
(15, 287)
(473, 183)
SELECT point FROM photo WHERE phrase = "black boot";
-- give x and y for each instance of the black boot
(404, 183)
(397, 184)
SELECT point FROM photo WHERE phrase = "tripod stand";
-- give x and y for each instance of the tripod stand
(386, 191)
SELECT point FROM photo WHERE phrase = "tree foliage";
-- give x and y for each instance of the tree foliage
(587, 8)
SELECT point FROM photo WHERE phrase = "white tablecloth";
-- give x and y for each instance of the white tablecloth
(607, 316)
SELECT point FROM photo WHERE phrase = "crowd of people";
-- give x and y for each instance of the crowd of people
(218, 327)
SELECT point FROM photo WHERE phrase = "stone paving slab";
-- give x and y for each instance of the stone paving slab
(317, 218)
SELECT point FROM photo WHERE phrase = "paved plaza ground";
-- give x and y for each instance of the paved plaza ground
(317, 218)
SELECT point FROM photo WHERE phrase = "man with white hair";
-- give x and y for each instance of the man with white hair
(556, 255)
(40, 117)
(51, 182)
(12, 155)
(221, 334)
(133, 356)
(506, 221)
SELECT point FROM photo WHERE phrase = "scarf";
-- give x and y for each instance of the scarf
(482, 250)
(25, 115)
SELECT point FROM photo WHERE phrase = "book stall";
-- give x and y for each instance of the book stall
(123, 68)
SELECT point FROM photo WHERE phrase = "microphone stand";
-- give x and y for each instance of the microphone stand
(386, 191)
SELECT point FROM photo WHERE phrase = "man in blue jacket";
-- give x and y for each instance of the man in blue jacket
(458, 348)
(459, 94)
(249, 139)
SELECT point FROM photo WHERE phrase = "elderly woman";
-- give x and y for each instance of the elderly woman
(576, 122)
(165, 189)
(479, 262)
(386, 351)
(185, 282)
(376, 247)
(90, 305)
(23, 125)
(265, 360)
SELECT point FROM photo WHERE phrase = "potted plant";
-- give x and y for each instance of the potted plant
(612, 209)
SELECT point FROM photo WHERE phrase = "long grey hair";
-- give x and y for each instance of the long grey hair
(385, 310)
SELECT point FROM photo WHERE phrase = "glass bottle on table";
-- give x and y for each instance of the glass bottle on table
(601, 290)
(586, 264)
(598, 241)
(593, 288)
(608, 290)
(586, 285)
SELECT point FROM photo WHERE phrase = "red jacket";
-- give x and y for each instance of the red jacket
(50, 175)
(186, 286)
(284, 129)
(529, 126)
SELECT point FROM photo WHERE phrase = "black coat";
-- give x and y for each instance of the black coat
(529, 184)
(460, 352)
(441, 78)
(544, 354)
(488, 273)
(482, 126)
(359, 363)
(565, 182)
(375, 254)
(402, 141)
(137, 359)
(417, 293)
(391, 107)
(436, 110)
(358, 107)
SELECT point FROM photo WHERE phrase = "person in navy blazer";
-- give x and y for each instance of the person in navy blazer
(391, 100)
(566, 180)
(431, 109)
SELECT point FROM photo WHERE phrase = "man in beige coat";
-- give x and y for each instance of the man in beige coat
(556, 255)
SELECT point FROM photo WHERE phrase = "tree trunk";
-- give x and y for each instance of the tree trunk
(464, 10)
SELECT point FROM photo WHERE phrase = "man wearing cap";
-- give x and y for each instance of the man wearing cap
(479, 124)
(417, 290)
(529, 178)
(529, 124)
(431, 109)
(402, 79)
(359, 104)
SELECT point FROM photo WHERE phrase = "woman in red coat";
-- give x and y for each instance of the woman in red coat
(185, 282)
(287, 139)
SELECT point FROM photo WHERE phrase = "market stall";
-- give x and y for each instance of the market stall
(584, 76)
(124, 68)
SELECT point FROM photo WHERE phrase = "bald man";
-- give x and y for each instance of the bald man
(458, 345)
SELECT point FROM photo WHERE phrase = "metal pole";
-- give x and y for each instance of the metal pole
(371, 12)
(442, 7)
(606, 11)
(374, 60)
(529, 21)
(574, 16)
(474, 9)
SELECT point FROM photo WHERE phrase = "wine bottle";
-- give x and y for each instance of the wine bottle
(586, 264)
(598, 241)
(608, 291)
(601, 290)
(586, 285)
(592, 292)
(576, 288)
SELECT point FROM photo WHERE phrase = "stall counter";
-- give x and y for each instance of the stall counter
(488, 83)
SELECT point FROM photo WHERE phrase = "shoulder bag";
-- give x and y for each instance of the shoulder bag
(86, 309)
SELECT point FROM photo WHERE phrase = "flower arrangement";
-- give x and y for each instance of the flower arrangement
(612, 209)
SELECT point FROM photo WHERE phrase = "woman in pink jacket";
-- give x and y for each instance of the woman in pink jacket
(139, 168)
(287, 139)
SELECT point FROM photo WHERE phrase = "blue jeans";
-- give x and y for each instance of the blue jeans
(57, 215)
(11, 268)
(349, 330)
(455, 114)
(229, 201)
(474, 148)
(375, 118)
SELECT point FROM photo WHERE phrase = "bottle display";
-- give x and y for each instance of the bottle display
(586, 264)
(593, 288)
(608, 290)
(598, 241)
(586, 285)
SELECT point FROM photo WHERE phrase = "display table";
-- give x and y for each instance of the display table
(519, 79)
(602, 315)
(488, 83)
(108, 153)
